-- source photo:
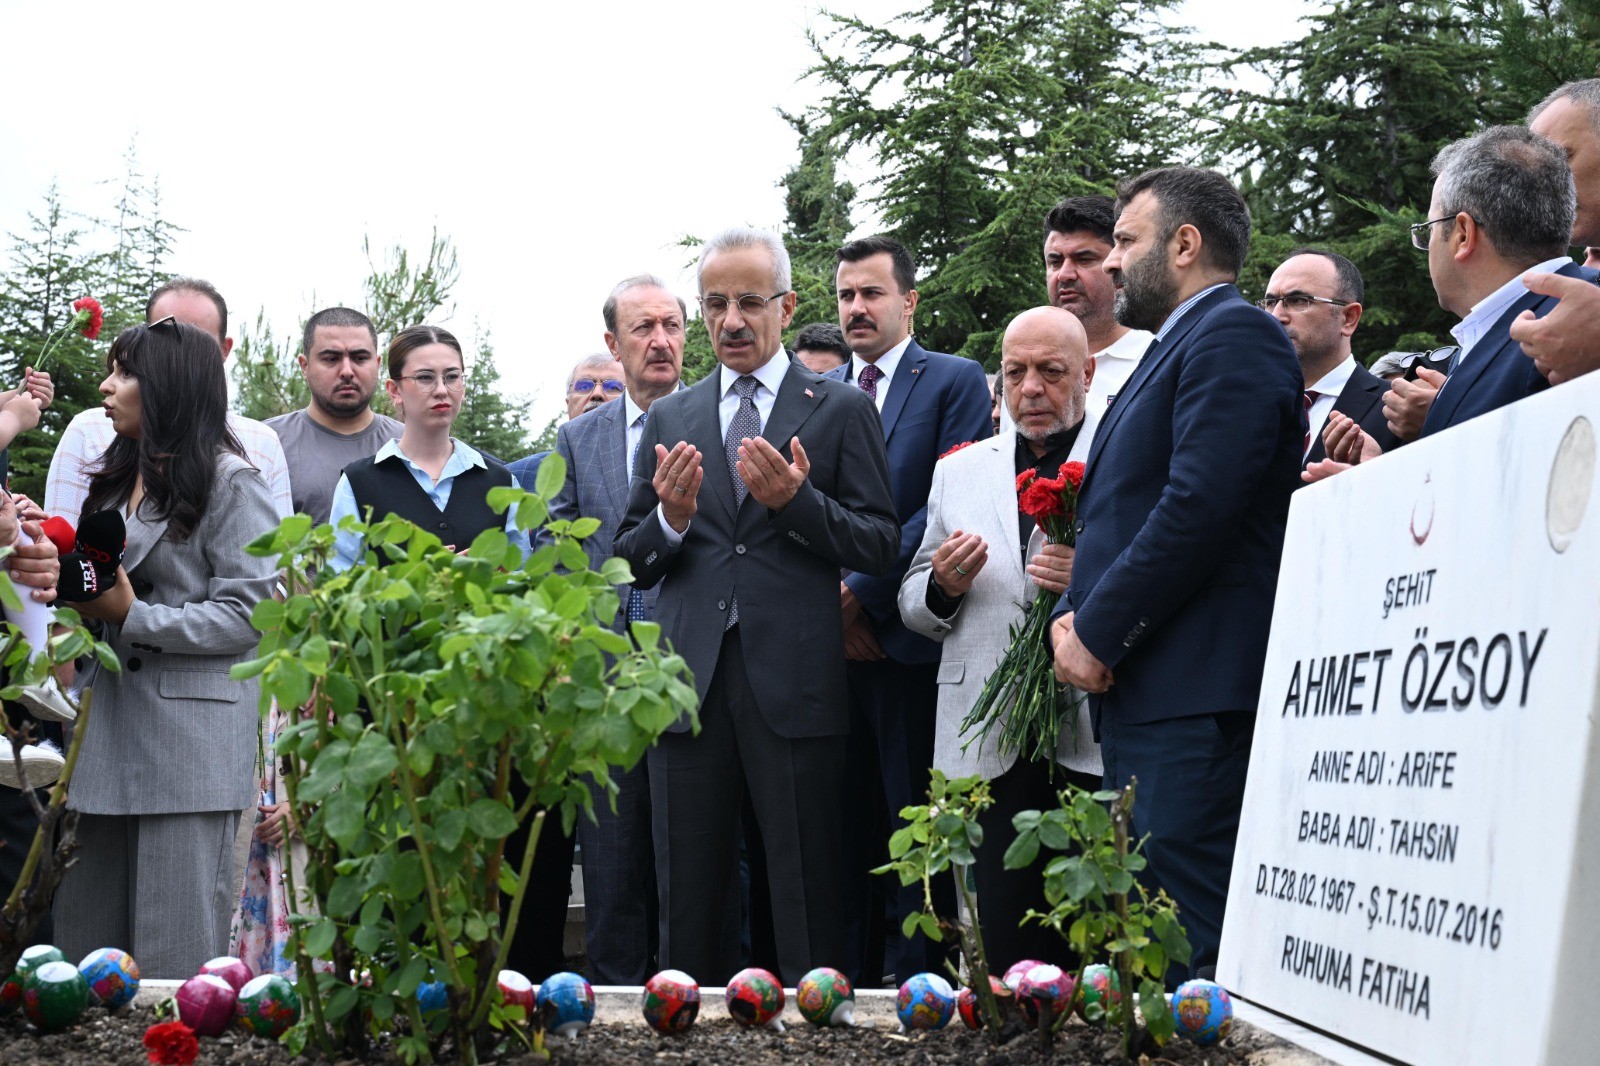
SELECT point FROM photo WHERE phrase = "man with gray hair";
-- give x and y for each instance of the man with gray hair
(644, 332)
(594, 380)
(751, 490)
(1503, 208)
(1566, 343)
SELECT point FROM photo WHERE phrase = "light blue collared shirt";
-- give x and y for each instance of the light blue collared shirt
(1172, 319)
(348, 548)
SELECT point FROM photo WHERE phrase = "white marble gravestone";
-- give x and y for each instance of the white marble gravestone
(1418, 865)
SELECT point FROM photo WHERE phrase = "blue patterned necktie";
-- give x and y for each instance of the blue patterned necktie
(746, 422)
(636, 612)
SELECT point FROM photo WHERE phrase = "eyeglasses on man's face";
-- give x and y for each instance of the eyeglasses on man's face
(750, 304)
(1296, 302)
(1422, 232)
(586, 385)
(427, 380)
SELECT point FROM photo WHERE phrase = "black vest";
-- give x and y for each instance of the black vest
(389, 489)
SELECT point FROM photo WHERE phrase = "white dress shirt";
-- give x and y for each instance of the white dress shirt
(635, 423)
(89, 435)
(770, 376)
(1182, 309)
(887, 364)
(1487, 311)
(1113, 366)
(1328, 387)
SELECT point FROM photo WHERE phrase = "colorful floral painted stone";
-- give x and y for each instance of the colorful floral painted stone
(825, 997)
(671, 1001)
(232, 970)
(30, 960)
(516, 991)
(1041, 987)
(1203, 1011)
(113, 977)
(926, 1001)
(268, 1005)
(1013, 976)
(54, 995)
(755, 998)
(432, 997)
(566, 1004)
(206, 1004)
(1101, 989)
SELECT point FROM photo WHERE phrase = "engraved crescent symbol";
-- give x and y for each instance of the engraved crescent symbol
(1420, 537)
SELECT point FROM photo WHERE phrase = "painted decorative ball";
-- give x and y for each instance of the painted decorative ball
(232, 970)
(113, 977)
(825, 997)
(268, 1005)
(1203, 1011)
(926, 1001)
(1044, 985)
(431, 997)
(55, 995)
(566, 1004)
(206, 1003)
(1013, 976)
(967, 1009)
(755, 998)
(517, 991)
(30, 960)
(1100, 989)
(671, 1002)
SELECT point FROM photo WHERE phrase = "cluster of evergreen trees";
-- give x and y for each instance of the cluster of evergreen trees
(975, 116)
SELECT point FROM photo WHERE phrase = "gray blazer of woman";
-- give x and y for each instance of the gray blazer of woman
(173, 733)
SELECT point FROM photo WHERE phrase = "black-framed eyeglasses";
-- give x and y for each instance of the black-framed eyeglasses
(1296, 302)
(454, 380)
(750, 304)
(1422, 232)
(611, 385)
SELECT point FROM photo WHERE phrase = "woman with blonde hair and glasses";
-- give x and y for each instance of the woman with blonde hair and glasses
(426, 476)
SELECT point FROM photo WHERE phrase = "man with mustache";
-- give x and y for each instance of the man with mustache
(928, 403)
(750, 492)
(1077, 239)
(339, 358)
(644, 331)
(1179, 532)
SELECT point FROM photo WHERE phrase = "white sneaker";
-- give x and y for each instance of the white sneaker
(42, 764)
(46, 703)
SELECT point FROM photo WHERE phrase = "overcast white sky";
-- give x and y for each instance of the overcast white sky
(561, 146)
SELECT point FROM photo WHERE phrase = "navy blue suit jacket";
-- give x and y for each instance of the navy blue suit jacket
(1182, 515)
(1361, 400)
(935, 402)
(1495, 372)
(526, 470)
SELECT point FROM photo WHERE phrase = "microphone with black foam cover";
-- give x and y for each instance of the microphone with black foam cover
(91, 567)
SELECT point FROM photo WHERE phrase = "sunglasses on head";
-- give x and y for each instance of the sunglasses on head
(611, 385)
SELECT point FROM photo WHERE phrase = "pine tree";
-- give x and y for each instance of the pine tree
(266, 373)
(490, 420)
(1537, 45)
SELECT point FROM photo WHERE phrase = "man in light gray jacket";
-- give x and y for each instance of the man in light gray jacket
(980, 561)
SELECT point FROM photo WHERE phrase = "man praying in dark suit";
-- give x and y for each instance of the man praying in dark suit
(1316, 296)
(1180, 530)
(750, 492)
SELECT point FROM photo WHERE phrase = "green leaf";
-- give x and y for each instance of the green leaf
(1022, 852)
(1053, 835)
(344, 897)
(909, 926)
(616, 571)
(930, 928)
(947, 825)
(489, 819)
(343, 817)
(342, 1003)
(318, 940)
(372, 759)
(405, 877)
(552, 475)
(448, 829)
(1156, 1012)
(583, 527)
(899, 842)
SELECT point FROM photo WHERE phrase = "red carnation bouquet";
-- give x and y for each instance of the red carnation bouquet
(1022, 701)
(171, 1044)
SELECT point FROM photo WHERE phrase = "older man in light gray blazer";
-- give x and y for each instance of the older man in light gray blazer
(979, 562)
(169, 759)
(644, 330)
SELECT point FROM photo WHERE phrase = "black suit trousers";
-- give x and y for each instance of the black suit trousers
(698, 784)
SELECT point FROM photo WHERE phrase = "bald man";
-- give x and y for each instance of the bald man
(967, 582)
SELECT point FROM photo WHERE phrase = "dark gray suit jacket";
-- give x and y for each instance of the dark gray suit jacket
(595, 448)
(784, 566)
(1361, 400)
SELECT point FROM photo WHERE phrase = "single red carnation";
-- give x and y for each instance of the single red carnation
(1072, 474)
(957, 448)
(1042, 500)
(97, 316)
(171, 1044)
(1025, 478)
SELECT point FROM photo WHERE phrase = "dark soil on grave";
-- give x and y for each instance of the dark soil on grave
(103, 1039)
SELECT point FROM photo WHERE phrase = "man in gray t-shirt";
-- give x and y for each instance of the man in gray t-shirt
(339, 359)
